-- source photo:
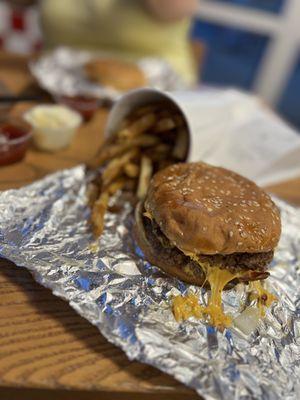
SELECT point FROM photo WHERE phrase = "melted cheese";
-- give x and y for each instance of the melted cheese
(218, 279)
(185, 307)
(263, 297)
(188, 306)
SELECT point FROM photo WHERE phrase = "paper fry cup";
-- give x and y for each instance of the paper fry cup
(187, 103)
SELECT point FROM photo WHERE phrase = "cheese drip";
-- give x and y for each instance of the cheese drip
(263, 297)
(188, 306)
(218, 279)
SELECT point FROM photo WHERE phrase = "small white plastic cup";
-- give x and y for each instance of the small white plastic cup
(54, 126)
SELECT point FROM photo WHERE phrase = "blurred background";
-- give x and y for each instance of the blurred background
(250, 44)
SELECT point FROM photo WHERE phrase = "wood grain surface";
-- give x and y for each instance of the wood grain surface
(47, 351)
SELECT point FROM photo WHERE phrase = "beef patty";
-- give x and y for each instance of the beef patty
(253, 264)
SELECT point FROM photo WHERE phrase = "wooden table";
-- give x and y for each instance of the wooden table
(46, 349)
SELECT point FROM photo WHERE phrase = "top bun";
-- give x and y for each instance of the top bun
(210, 210)
(121, 75)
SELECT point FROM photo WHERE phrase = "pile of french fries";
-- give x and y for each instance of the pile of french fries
(151, 138)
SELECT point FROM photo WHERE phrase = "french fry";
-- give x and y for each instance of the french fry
(156, 107)
(125, 168)
(115, 186)
(92, 193)
(131, 170)
(98, 212)
(145, 177)
(141, 125)
(181, 144)
(165, 124)
(145, 110)
(115, 167)
(144, 141)
(107, 153)
(101, 204)
(117, 149)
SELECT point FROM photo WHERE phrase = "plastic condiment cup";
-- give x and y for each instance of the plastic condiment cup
(15, 136)
(54, 126)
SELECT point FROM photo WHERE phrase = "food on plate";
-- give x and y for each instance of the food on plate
(149, 139)
(120, 75)
(208, 226)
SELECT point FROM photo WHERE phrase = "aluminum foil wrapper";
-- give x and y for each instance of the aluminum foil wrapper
(61, 73)
(44, 227)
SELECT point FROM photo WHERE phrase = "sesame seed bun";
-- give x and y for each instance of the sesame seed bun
(208, 210)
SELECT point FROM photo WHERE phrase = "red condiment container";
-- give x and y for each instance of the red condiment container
(86, 106)
(15, 135)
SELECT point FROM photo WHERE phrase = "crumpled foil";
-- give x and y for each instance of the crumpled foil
(44, 227)
(61, 73)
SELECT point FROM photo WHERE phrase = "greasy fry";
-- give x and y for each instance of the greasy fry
(98, 212)
(145, 176)
(131, 170)
(153, 136)
(115, 167)
(141, 125)
(115, 150)
(144, 141)
(107, 153)
(115, 186)
(92, 193)
(165, 124)
(101, 204)
(145, 110)
(181, 144)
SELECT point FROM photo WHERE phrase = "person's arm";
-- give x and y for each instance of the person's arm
(171, 10)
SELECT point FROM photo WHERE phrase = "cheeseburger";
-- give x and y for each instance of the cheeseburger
(208, 226)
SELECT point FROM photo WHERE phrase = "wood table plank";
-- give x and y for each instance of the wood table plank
(46, 350)
(45, 344)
